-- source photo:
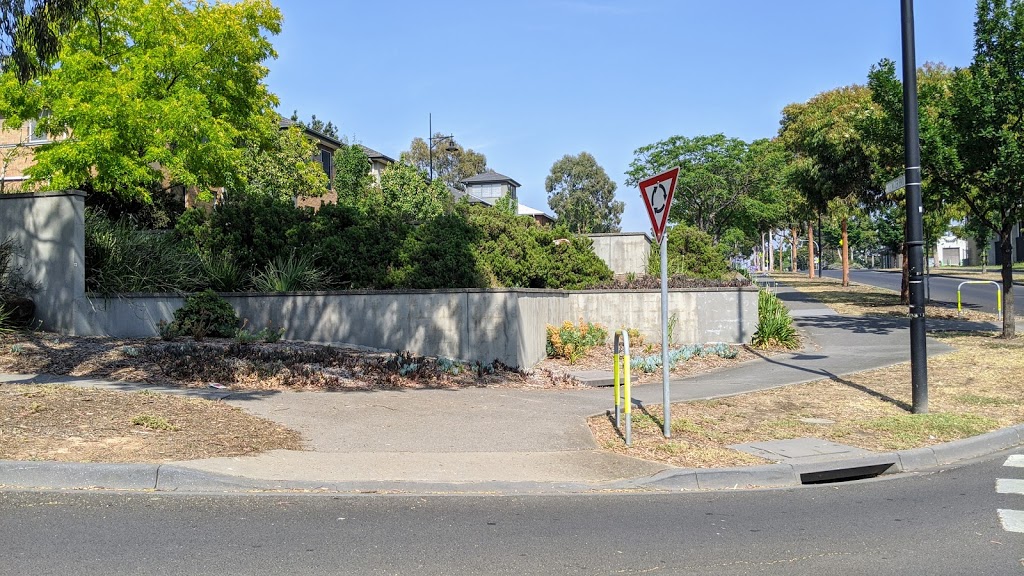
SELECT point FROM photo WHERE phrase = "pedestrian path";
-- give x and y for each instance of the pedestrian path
(1012, 520)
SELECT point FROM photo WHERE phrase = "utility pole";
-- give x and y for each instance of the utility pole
(915, 223)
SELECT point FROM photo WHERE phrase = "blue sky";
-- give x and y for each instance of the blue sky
(526, 82)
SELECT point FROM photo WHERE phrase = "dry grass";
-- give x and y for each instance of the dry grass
(72, 424)
(973, 390)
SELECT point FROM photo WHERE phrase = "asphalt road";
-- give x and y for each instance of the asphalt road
(981, 297)
(940, 523)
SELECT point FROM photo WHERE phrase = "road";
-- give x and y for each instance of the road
(941, 523)
(981, 297)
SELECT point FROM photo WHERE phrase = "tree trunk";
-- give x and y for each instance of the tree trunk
(846, 255)
(1005, 248)
(810, 250)
(905, 265)
(792, 249)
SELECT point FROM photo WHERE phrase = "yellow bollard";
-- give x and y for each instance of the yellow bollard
(628, 400)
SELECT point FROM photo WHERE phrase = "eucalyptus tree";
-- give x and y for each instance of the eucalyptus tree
(582, 195)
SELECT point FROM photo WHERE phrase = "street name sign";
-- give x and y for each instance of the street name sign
(896, 183)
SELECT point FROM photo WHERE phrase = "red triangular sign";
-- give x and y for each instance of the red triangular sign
(657, 194)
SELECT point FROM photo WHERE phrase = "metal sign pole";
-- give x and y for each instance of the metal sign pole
(666, 404)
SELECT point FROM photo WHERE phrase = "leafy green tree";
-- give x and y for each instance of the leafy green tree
(450, 166)
(351, 174)
(713, 178)
(31, 32)
(146, 95)
(691, 252)
(281, 165)
(582, 195)
(832, 166)
(405, 193)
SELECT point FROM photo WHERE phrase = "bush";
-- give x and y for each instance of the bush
(774, 325)
(120, 258)
(572, 342)
(691, 252)
(205, 313)
(290, 274)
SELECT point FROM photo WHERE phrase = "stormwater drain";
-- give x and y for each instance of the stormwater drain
(844, 474)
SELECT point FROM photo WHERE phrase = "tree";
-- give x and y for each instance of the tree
(406, 194)
(146, 95)
(327, 129)
(713, 178)
(351, 174)
(832, 167)
(280, 164)
(982, 164)
(582, 195)
(31, 32)
(450, 166)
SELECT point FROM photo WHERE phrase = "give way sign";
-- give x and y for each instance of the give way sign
(657, 194)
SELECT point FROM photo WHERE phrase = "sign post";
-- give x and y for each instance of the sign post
(657, 194)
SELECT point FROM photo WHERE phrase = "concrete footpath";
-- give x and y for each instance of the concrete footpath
(513, 441)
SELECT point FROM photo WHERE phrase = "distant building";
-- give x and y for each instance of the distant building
(489, 187)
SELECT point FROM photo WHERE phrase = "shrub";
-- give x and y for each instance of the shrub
(774, 325)
(572, 342)
(439, 254)
(652, 362)
(120, 258)
(222, 272)
(291, 274)
(205, 313)
(691, 252)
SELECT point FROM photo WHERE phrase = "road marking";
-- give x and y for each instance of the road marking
(1012, 520)
(1017, 461)
(1004, 486)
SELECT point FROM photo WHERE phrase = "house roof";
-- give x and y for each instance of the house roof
(288, 123)
(525, 210)
(490, 177)
(374, 155)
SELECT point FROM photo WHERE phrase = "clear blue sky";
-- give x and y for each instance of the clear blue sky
(528, 81)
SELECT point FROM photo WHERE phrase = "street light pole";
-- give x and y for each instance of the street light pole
(434, 141)
(915, 224)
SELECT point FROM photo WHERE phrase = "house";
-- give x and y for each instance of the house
(16, 153)
(378, 161)
(489, 187)
(326, 147)
(991, 255)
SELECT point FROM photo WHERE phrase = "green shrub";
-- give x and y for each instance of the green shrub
(222, 273)
(774, 325)
(120, 258)
(572, 341)
(205, 313)
(291, 274)
(691, 252)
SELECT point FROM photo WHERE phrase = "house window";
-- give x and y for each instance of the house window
(327, 162)
(36, 135)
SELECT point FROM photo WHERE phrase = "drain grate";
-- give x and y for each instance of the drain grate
(845, 474)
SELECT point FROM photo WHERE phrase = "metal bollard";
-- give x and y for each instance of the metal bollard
(623, 394)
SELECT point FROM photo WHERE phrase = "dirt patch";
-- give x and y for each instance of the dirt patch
(71, 424)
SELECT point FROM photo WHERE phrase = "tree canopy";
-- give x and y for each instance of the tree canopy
(144, 95)
(582, 195)
(31, 33)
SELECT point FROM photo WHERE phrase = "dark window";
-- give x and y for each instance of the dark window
(327, 160)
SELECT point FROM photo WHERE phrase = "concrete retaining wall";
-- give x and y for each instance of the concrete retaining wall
(50, 227)
(624, 252)
(471, 325)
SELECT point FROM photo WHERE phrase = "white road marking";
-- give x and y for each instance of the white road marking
(1017, 461)
(1004, 486)
(1012, 520)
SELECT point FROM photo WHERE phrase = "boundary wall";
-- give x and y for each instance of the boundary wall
(508, 325)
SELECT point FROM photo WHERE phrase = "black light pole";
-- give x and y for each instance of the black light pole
(434, 141)
(915, 224)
